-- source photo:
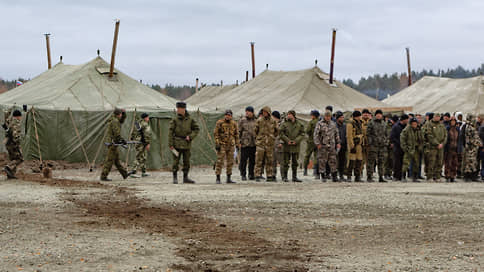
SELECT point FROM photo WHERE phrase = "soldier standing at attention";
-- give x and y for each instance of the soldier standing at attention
(365, 120)
(247, 141)
(354, 137)
(310, 146)
(378, 138)
(291, 134)
(226, 139)
(113, 136)
(436, 136)
(340, 123)
(183, 129)
(278, 155)
(13, 133)
(326, 138)
(390, 120)
(411, 141)
(266, 132)
(471, 149)
(142, 133)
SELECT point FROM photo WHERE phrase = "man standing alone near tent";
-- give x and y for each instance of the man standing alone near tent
(113, 137)
(183, 129)
(291, 135)
(226, 139)
(266, 132)
(247, 141)
(13, 134)
(142, 134)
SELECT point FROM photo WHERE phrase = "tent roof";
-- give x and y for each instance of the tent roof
(208, 93)
(301, 91)
(86, 87)
(437, 94)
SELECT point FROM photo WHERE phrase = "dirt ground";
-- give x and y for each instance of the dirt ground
(76, 223)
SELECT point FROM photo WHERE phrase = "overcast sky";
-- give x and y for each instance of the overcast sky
(177, 41)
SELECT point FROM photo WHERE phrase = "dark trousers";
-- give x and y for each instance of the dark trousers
(397, 162)
(247, 154)
(185, 153)
(341, 162)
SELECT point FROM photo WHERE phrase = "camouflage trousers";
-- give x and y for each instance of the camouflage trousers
(470, 159)
(277, 158)
(376, 156)
(291, 157)
(327, 156)
(414, 159)
(185, 153)
(451, 163)
(310, 150)
(263, 153)
(435, 160)
(14, 157)
(141, 155)
(226, 153)
(389, 161)
(112, 158)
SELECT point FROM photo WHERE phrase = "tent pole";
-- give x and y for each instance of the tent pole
(161, 145)
(100, 145)
(253, 58)
(113, 53)
(49, 63)
(37, 137)
(409, 69)
(331, 68)
(80, 140)
(130, 132)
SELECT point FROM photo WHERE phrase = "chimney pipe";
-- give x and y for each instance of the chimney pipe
(60, 58)
(221, 83)
(196, 84)
(253, 58)
(47, 42)
(267, 66)
(246, 76)
(237, 82)
(331, 68)
(315, 62)
(115, 42)
(409, 68)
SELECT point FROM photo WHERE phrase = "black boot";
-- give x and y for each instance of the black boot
(475, 176)
(382, 179)
(10, 174)
(284, 176)
(305, 171)
(217, 180)
(415, 178)
(243, 178)
(369, 179)
(322, 177)
(294, 176)
(229, 180)
(357, 178)
(335, 177)
(186, 179)
(175, 178)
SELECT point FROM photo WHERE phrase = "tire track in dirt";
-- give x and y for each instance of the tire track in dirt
(205, 244)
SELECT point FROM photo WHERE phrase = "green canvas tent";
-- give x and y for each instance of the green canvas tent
(69, 105)
(208, 93)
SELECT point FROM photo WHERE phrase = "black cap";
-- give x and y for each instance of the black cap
(144, 115)
(366, 111)
(181, 104)
(330, 108)
(356, 113)
(250, 108)
(403, 117)
(276, 114)
(17, 113)
(228, 112)
(395, 118)
(447, 114)
(315, 113)
(117, 111)
(339, 114)
(431, 115)
(378, 111)
(413, 120)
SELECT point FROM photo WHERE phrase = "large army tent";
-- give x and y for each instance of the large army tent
(301, 91)
(208, 93)
(437, 94)
(69, 105)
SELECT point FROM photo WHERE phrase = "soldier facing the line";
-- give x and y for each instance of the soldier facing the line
(113, 136)
(226, 139)
(13, 135)
(142, 134)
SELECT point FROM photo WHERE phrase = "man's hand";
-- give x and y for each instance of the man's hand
(338, 146)
(147, 147)
(188, 138)
(320, 146)
(279, 145)
(171, 148)
(440, 146)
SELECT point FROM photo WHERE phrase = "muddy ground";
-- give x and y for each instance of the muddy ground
(76, 223)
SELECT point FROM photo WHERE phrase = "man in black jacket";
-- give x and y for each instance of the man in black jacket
(397, 149)
(340, 124)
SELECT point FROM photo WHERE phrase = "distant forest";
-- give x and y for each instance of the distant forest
(376, 86)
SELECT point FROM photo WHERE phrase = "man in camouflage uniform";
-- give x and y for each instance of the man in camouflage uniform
(342, 154)
(113, 137)
(326, 138)
(411, 141)
(183, 129)
(226, 139)
(291, 134)
(247, 141)
(310, 146)
(142, 134)
(378, 139)
(471, 149)
(435, 136)
(13, 135)
(354, 138)
(390, 120)
(278, 155)
(266, 132)
(365, 147)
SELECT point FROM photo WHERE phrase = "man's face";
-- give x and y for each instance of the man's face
(327, 117)
(249, 114)
(357, 118)
(228, 117)
(265, 114)
(459, 117)
(341, 119)
(147, 118)
(446, 118)
(419, 118)
(180, 111)
(405, 121)
(414, 124)
(378, 116)
(290, 117)
(366, 116)
(119, 116)
(436, 118)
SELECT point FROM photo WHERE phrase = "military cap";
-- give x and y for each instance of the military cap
(366, 111)
(356, 113)
(228, 112)
(412, 120)
(181, 104)
(447, 114)
(339, 114)
(144, 115)
(437, 114)
(266, 109)
(469, 118)
(378, 111)
(117, 111)
(328, 113)
(329, 108)
(292, 112)
(404, 117)
(17, 113)
(250, 108)
(276, 114)
(395, 118)
(315, 113)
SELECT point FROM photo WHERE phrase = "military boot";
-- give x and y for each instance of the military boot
(294, 176)
(305, 171)
(335, 177)
(322, 177)
(175, 178)
(229, 179)
(382, 179)
(369, 179)
(10, 174)
(243, 178)
(144, 174)
(357, 178)
(259, 178)
(415, 178)
(217, 179)
(102, 179)
(186, 179)
(124, 173)
(284, 176)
